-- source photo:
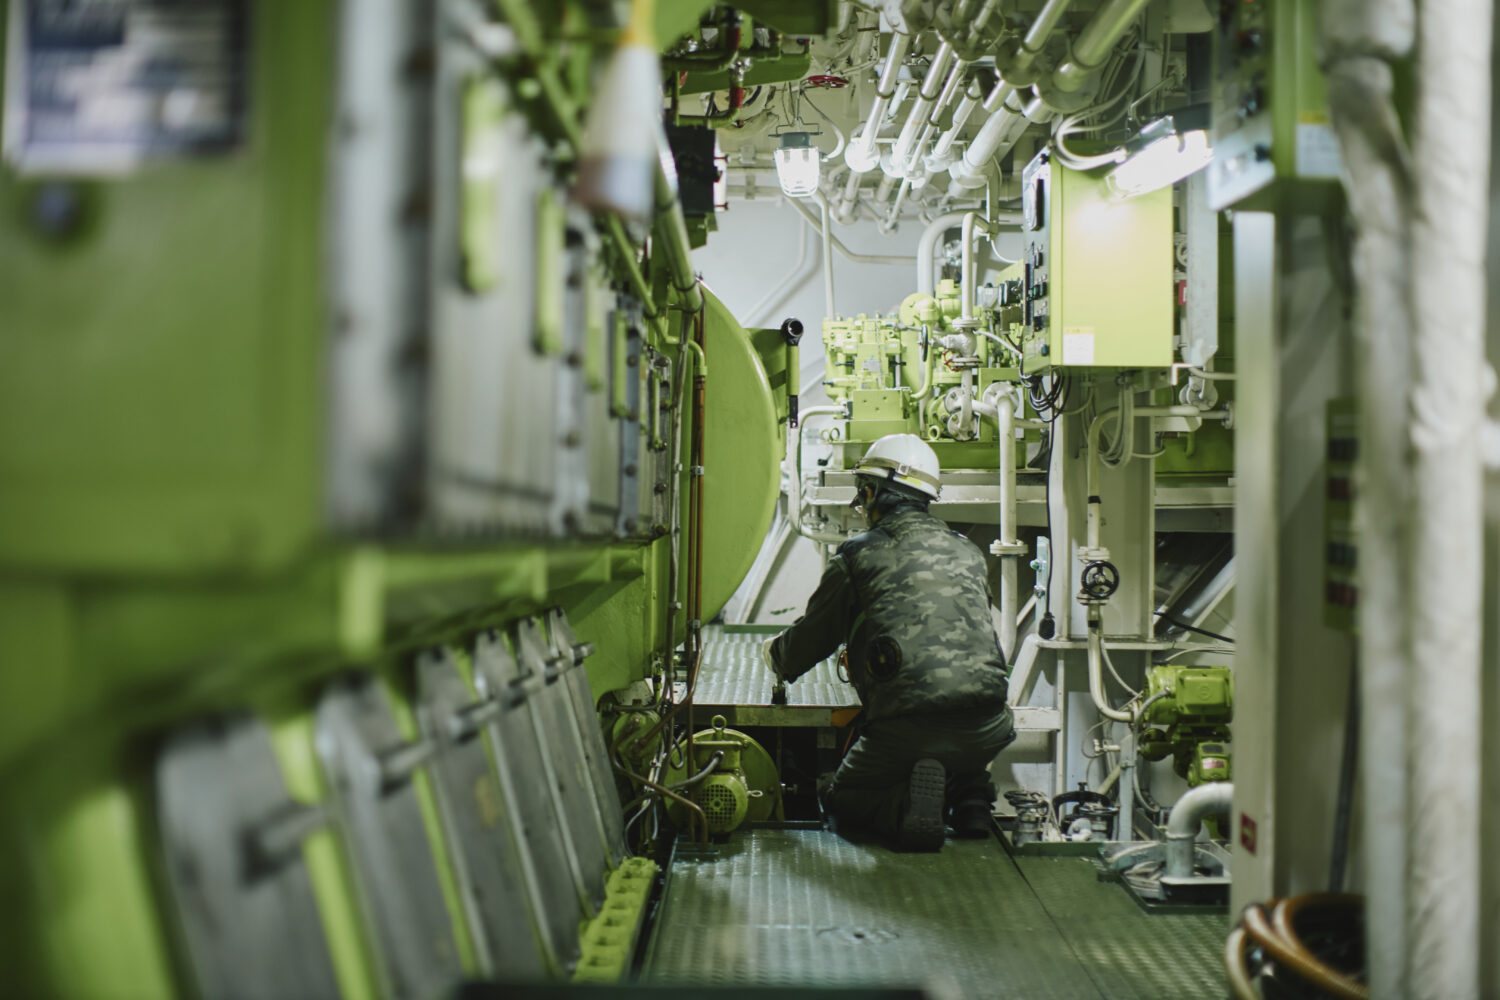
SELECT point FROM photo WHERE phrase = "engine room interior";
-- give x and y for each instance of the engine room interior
(948, 499)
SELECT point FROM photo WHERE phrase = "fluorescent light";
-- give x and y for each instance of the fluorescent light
(798, 164)
(1162, 161)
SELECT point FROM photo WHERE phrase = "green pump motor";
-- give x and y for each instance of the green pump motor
(1189, 710)
(743, 786)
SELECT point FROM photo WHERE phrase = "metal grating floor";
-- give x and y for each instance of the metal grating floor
(807, 908)
(733, 674)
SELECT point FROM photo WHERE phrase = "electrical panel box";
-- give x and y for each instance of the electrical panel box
(1273, 145)
(1097, 287)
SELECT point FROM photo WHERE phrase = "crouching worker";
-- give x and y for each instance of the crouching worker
(911, 600)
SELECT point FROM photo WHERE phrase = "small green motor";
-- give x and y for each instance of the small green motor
(1189, 695)
(1189, 710)
(743, 786)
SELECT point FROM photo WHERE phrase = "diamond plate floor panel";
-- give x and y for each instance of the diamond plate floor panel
(1132, 954)
(805, 907)
(733, 674)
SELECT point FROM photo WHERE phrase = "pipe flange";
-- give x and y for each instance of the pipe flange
(996, 394)
(998, 548)
(1067, 101)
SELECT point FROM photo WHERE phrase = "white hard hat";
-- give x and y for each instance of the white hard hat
(904, 459)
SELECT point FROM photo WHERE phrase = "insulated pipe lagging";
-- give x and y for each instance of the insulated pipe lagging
(1362, 111)
(1213, 799)
(1096, 40)
(1445, 685)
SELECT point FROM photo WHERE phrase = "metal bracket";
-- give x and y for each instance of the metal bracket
(369, 766)
(232, 844)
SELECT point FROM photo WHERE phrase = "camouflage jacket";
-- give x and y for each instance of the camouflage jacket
(911, 599)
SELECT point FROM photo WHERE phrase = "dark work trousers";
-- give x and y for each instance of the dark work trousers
(868, 792)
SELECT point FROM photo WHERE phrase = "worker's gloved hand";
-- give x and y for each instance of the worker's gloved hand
(767, 658)
(778, 689)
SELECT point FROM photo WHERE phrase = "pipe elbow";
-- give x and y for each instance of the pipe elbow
(1189, 812)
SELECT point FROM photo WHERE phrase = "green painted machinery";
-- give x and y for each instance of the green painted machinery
(1188, 710)
(1097, 282)
(732, 780)
(282, 416)
(895, 376)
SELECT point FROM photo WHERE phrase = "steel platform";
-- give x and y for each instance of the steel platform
(733, 682)
(806, 908)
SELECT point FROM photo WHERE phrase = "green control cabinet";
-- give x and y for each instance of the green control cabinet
(1097, 288)
(1273, 145)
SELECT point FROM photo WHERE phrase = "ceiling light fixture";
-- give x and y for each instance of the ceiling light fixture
(1164, 153)
(798, 164)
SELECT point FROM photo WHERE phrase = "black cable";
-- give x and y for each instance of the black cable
(1047, 627)
(1348, 769)
(1193, 628)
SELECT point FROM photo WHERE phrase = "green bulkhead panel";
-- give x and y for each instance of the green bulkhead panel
(163, 336)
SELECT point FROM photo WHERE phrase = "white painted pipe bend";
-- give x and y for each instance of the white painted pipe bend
(1216, 797)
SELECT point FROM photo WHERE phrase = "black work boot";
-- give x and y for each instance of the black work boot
(971, 820)
(922, 826)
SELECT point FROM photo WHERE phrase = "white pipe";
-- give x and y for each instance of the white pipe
(800, 204)
(1096, 671)
(1445, 688)
(860, 154)
(972, 221)
(828, 312)
(1019, 70)
(972, 98)
(845, 211)
(1125, 815)
(927, 249)
(1007, 546)
(794, 468)
(966, 404)
(977, 26)
(933, 84)
(888, 224)
(969, 171)
(1010, 556)
(1094, 42)
(1212, 799)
